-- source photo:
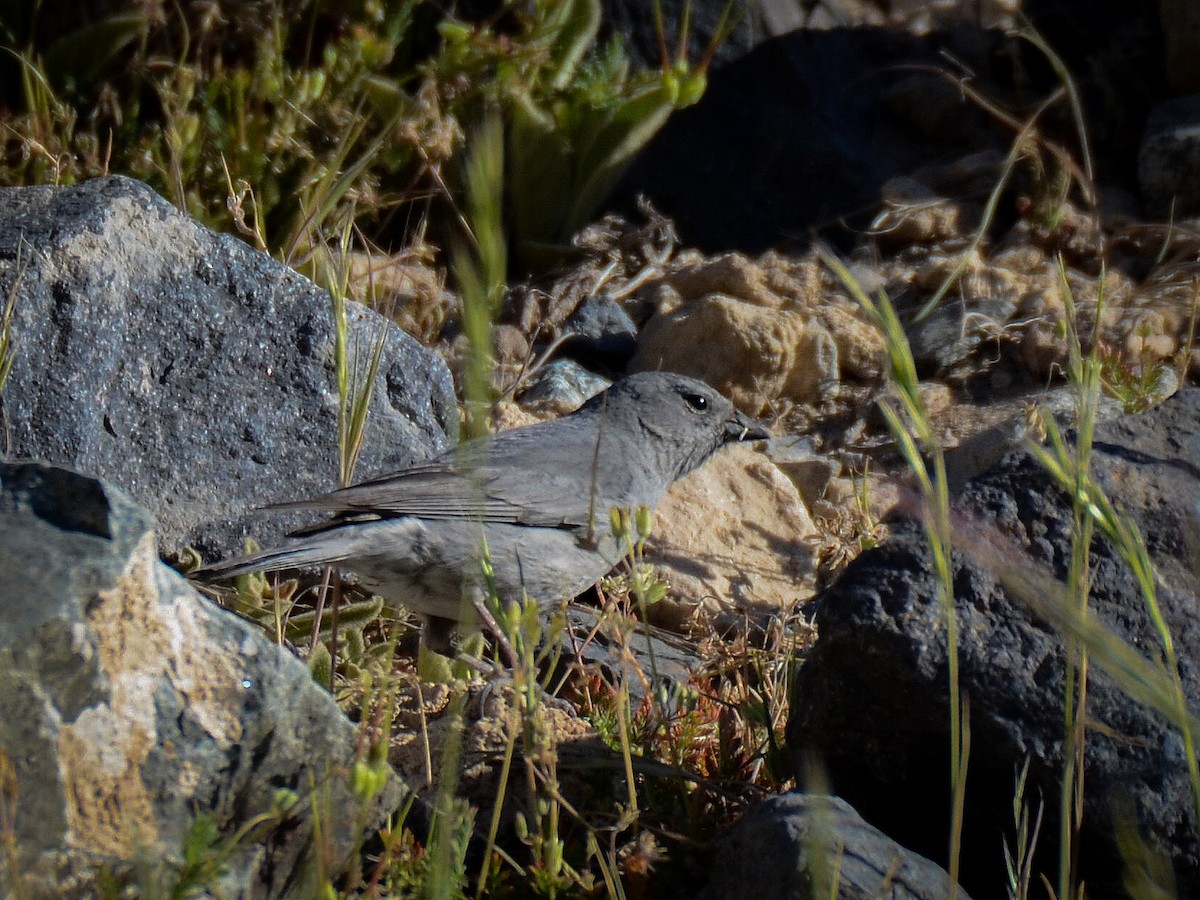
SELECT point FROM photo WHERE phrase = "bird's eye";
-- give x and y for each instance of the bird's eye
(697, 402)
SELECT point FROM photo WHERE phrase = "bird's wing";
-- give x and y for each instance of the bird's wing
(530, 476)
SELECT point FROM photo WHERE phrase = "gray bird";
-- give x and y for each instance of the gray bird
(539, 497)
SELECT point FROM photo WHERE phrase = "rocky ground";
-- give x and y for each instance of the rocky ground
(960, 188)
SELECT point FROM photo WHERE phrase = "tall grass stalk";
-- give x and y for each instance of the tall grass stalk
(497, 811)
(1074, 466)
(451, 820)
(911, 429)
(355, 386)
(479, 263)
(355, 382)
(51, 123)
(1075, 102)
(1018, 861)
(478, 260)
(609, 868)
(1161, 688)
(1027, 133)
(1070, 469)
(1018, 149)
(330, 188)
(824, 847)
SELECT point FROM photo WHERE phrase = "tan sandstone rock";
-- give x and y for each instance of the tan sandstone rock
(731, 536)
(764, 333)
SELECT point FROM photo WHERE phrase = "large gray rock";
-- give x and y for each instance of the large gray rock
(871, 699)
(129, 705)
(768, 854)
(799, 133)
(186, 367)
(1169, 158)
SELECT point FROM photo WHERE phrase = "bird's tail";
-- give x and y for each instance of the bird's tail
(311, 553)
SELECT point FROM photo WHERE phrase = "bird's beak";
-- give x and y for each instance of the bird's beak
(743, 428)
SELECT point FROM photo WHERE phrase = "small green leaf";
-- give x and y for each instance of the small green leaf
(320, 664)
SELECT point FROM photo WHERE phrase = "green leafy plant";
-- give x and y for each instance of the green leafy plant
(1137, 383)
(576, 123)
(203, 858)
(308, 119)
(196, 104)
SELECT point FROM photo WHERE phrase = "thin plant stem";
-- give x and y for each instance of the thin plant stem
(913, 433)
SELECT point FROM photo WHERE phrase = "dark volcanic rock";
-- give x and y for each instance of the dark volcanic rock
(768, 855)
(189, 369)
(871, 700)
(796, 135)
(1169, 157)
(602, 335)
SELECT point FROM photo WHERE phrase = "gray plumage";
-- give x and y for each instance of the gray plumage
(540, 496)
